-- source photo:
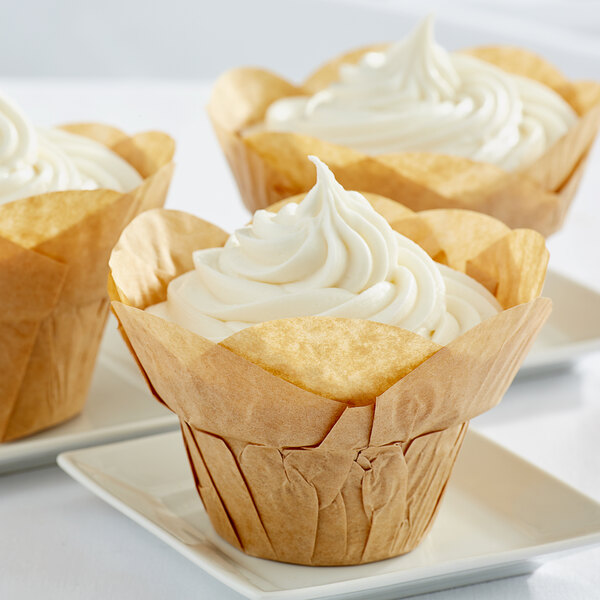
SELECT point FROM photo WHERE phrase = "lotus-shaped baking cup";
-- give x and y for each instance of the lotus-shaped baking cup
(269, 166)
(319, 440)
(54, 251)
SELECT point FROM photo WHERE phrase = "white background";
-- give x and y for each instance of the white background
(195, 39)
(141, 65)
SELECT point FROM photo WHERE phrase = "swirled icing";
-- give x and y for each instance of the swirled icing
(37, 160)
(331, 255)
(416, 96)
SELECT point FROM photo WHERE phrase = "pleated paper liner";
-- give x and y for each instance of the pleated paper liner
(269, 166)
(328, 441)
(54, 251)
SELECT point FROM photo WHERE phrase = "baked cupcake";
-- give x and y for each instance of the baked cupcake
(493, 129)
(65, 196)
(323, 366)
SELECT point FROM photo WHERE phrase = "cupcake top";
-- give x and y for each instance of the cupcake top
(416, 96)
(35, 160)
(332, 255)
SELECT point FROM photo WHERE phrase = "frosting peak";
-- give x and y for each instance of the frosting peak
(416, 96)
(333, 238)
(416, 68)
(332, 255)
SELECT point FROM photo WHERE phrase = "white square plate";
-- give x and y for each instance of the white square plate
(501, 516)
(119, 406)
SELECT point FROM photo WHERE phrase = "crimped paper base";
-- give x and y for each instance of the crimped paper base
(288, 475)
(270, 166)
(54, 253)
(330, 525)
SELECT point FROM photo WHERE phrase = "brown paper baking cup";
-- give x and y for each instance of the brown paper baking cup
(269, 166)
(287, 467)
(54, 251)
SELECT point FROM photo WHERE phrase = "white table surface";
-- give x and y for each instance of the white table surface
(57, 540)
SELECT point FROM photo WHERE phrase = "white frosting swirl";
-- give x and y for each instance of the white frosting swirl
(330, 255)
(418, 97)
(36, 160)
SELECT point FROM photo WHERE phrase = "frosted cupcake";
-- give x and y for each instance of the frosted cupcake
(65, 196)
(492, 129)
(316, 359)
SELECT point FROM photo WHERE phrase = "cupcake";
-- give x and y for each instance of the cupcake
(493, 129)
(65, 196)
(323, 365)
